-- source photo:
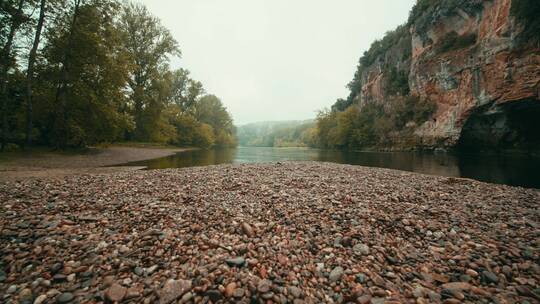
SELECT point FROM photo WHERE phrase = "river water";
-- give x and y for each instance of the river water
(516, 170)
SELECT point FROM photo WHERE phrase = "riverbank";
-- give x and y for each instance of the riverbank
(306, 232)
(43, 163)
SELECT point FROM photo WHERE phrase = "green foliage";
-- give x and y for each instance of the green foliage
(102, 75)
(149, 45)
(341, 104)
(452, 41)
(526, 13)
(191, 132)
(400, 37)
(210, 111)
(379, 47)
(96, 78)
(372, 125)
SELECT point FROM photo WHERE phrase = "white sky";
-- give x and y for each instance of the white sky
(276, 59)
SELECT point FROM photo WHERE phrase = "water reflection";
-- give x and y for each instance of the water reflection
(512, 170)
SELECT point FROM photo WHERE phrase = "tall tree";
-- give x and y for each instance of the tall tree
(91, 77)
(5, 63)
(61, 92)
(30, 72)
(185, 91)
(150, 46)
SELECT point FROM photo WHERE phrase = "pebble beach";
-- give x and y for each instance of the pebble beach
(292, 232)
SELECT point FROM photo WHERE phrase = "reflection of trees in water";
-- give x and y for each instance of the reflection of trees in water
(518, 170)
(193, 158)
(437, 164)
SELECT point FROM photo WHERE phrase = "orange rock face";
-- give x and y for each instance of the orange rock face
(489, 73)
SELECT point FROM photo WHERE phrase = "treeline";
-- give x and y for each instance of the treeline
(374, 125)
(80, 72)
(277, 134)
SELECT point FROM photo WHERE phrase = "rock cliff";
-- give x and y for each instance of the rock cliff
(471, 59)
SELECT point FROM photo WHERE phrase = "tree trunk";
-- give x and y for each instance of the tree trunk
(61, 92)
(6, 52)
(30, 73)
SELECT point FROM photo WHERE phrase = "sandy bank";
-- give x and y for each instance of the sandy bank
(99, 160)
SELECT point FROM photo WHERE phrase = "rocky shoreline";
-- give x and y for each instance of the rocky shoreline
(301, 232)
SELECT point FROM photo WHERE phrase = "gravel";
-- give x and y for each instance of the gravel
(301, 232)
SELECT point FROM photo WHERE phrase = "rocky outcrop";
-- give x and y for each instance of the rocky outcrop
(468, 60)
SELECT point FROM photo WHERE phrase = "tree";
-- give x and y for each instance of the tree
(150, 46)
(30, 72)
(91, 75)
(210, 110)
(185, 91)
(15, 19)
(61, 116)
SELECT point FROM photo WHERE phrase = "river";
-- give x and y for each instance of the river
(515, 170)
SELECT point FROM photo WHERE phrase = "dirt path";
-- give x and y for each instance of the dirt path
(96, 160)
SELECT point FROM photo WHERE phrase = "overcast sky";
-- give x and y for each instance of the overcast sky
(276, 59)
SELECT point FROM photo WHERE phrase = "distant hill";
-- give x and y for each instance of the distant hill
(292, 133)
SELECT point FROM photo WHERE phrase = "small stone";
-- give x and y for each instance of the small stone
(133, 292)
(236, 262)
(65, 297)
(59, 277)
(172, 290)
(138, 271)
(230, 289)
(418, 292)
(360, 278)
(361, 249)
(71, 277)
(52, 293)
(248, 230)
(365, 299)
(115, 293)
(25, 296)
(151, 269)
(465, 278)
(264, 286)
(40, 299)
(472, 273)
(457, 285)
(123, 249)
(214, 295)
(56, 267)
(507, 271)
(489, 277)
(294, 291)
(267, 295)
(187, 297)
(239, 292)
(335, 274)
(11, 289)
